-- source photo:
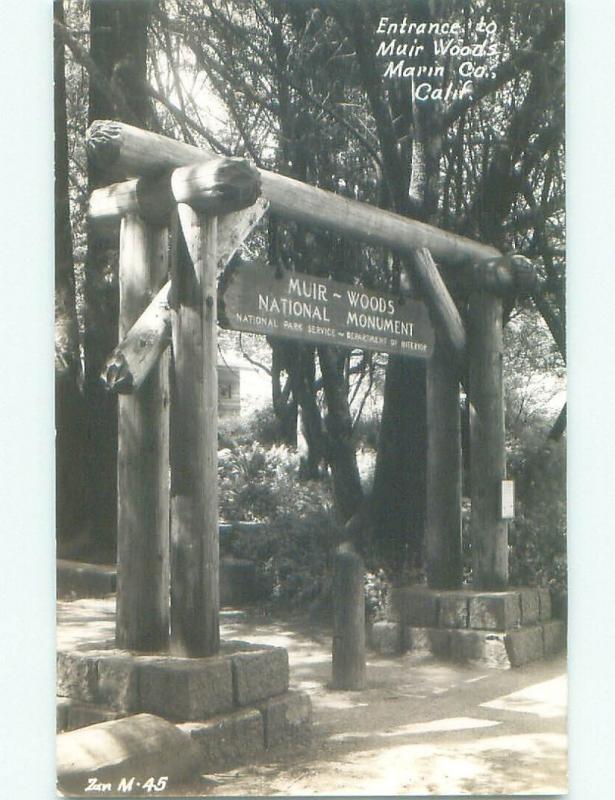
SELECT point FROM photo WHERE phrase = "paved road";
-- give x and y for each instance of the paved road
(421, 726)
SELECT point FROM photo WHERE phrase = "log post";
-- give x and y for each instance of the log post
(194, 439)
(143, 467)
(130, 363)
(487, 443)
(443, 524)
(348, 664)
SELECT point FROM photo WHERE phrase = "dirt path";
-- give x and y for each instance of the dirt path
(421, 727)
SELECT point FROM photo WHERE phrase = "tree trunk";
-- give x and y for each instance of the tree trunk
(301, 369)
(118, 45)
(559, 426)
(398, 496)
(284, 401)
(69, 407)
(341, 452)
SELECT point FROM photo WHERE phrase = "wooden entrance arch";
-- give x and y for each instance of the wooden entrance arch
(168, 577)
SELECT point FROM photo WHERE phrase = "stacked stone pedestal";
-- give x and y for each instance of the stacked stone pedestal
(234, 705)
(490, 629)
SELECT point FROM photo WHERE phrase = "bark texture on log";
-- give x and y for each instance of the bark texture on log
(341, 449)
(130, 363)
(118, 39)
(135, 152)
(218, 186)
(443, 508)
(397, 503)
(142, 622)
(444, 311)
(509, 274)
(487, 442)
(194, 440)
(132, 360)
(70, 411)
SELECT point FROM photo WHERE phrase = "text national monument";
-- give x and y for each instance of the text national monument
(261, 298)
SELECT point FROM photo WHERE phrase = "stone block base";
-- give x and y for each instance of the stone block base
(554, 637)
(71, 715)
(178, 689)
(223, 741)
(287, 719)
(429, 640)
(259, 674)
(386, 638)
(492, 649)
(229, 740)
(482, 648)
(231, 706)
(491, 629)
(525, 645)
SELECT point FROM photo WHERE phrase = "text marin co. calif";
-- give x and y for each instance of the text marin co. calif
(404, 48)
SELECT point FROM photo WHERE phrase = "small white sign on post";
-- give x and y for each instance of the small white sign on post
(507, 500)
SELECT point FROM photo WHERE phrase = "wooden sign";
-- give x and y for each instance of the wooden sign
(258, 298)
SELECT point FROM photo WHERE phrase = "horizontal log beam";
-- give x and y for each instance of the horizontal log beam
(129, 151)
(216, 187)
(132, 360)
(133, 150)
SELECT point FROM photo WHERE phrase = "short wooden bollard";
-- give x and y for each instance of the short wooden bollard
(348, 667)
(143, 458)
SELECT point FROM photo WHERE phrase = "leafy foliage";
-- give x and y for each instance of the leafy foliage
(538, 534)
(260, 482)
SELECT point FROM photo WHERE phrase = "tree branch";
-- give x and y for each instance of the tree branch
(521, 61)
(113, 94)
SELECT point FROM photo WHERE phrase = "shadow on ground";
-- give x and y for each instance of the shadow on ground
(420, 727)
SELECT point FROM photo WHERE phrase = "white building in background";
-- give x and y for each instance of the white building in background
(242, 387)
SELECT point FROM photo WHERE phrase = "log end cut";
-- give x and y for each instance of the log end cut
(104, 143)
(116, 375)
(507, 275)
(217, 187)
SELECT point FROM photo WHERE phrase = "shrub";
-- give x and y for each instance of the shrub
(538, 534)
(293, 555)
(261, 483)
(261, 426)
(535, 381)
